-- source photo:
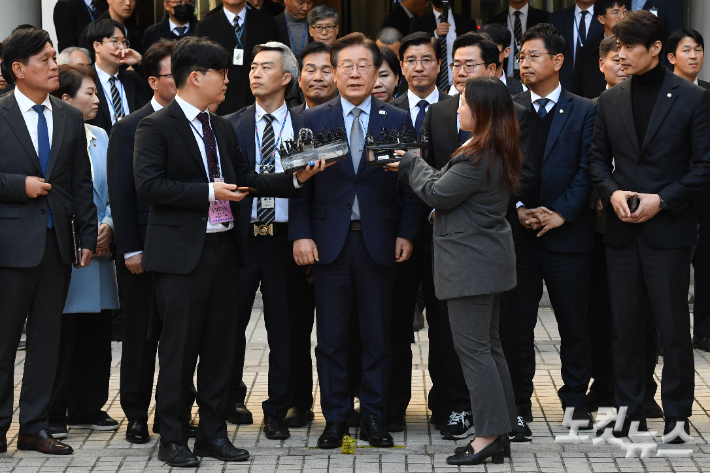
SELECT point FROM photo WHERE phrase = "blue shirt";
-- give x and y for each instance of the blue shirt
(637, 4)
(366, 106)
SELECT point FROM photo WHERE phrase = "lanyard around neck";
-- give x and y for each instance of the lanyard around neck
(303, 41)
(208, 147)
(121, 93)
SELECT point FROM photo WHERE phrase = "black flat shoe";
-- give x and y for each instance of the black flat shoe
(372, 430)
(701, 343)
(396, 423)
(237, 413)
(506, 447)
(221, 449)
(332, 436)
(494, 450)
(274, 429)
(297, 417)
(137, 431)
(672, 423)
(177, 454)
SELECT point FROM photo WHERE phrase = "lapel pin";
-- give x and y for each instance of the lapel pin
(669, 95)
(382, 112)
(562, 111)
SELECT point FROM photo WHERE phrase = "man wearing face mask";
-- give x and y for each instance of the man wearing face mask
(179, 21)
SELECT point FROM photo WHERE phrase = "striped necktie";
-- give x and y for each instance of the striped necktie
(442, 80)
(268, 164)
(116, 99)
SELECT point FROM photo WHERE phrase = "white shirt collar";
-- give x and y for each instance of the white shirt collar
(414, 100)
(503, 79)
(188, 109)
(554, 96)
(26, 104)
(306, 107)
(578, 10)
(523, 10)
(365, 106)
(104, 76)
(696, 81)
(174, 25)
(437, 15)
(88, 2)
(230, 16)
(279, 114)
(409, 14)
(155, 104)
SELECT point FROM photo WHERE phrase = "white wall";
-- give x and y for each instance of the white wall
(47, 20)
(17, 12)
(700, 20)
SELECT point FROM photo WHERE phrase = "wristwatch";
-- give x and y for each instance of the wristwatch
(662, 203)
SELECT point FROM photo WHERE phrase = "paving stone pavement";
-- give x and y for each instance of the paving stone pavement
(420, 448)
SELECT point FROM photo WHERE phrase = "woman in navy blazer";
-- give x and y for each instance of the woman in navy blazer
(84, 368)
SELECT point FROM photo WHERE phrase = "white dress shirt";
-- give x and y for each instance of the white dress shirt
(510, 70)
(191, 113)
(450, 38)
(242, 16)
(577, 24)
(281, 208)
(31, 117)
(106, 85)
(414, 100)
(553, 98)
(187, 25)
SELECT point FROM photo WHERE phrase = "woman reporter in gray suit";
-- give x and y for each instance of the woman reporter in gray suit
(474, 258)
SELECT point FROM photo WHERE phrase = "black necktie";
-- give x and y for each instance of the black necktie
(542, 111)
(582, 34)
(181, 31)
(210, 154)
(517, 26)
(116, 99)
(442, 80)
(422, 104)
(267, 215)
(92, 10)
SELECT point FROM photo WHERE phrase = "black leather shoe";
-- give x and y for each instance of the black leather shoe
(504, 440)
(396, 422)
(274, 428)
(59, 432)
(353, 418)
(177, 454)
(652, 410)
(43, 442)
(701, 343)
(297, 417)
(332, 436)
(494, 450)
(671, 424)
(221, 449)
(137, 431)
(372, 430)
(237, 413)
(625, 429)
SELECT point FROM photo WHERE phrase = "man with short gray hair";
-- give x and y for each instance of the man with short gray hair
(323, 24)
(261, 129)
(74, 56)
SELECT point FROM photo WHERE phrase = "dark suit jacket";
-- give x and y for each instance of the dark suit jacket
(565, 185)
(161, 30)
(587, 80)
(137, 93)
(427, 23)
(535, 17)
(23, 221)
(130, 214)
(563, 20)
(133, 35)
(670, 12)
(514, 86)
(272, 8)
(673, 161)
(284, 37)
(387, 209)
(244, 124)
(70, 19)
(259, 28)
(398, 19)
(170, 175)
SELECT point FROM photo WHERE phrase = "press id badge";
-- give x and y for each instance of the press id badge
(238, 57)
(220, 211)
(268, 202)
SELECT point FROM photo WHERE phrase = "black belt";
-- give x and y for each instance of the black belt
(355, 226)
(272, 229)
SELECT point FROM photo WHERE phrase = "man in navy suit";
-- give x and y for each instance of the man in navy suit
(355, 225)
(578, 25)
(271, 266)
(554, 208)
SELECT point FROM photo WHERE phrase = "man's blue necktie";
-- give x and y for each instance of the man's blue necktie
(542, 111)
(422, 104)
(43, 151)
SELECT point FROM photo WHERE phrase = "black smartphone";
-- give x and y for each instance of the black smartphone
(633, 203)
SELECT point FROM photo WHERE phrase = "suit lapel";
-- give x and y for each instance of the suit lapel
(103, 102)
(377, 119)
(334, 114)
(525, 100)
(17, 123)
(627, 113)
(57, 134)
(595, 29)
(666, 98)
(564, 108)
(185, 131)
(249, 35)
(129, 88)
(250, 121)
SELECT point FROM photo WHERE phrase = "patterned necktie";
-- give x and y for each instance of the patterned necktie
(582, 34)
(422, 104)
(517, 33)
(116, 99)
(442, 80)
(267, 215)
(181, 31)
(542, 111)
(43, 151)
(92, 9)
(357, 145)
(210, 153)
(237, 27)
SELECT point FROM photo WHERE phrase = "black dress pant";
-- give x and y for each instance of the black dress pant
(84, 370)
(198, 313)
(37, 295)
(271, 264)
(137, 353)
(636, 272)
(353, 276)
(301, 318)
(448, 387)
(566, 276)
(404, 298)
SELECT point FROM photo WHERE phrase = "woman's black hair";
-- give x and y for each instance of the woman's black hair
(197, 54)
(71, 78)
(392, 61)
(20, 46)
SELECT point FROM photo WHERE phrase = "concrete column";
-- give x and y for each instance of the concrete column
(17, 12)
(48, 19)
(700, 20)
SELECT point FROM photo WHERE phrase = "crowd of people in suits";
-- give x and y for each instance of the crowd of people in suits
(152, 165)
